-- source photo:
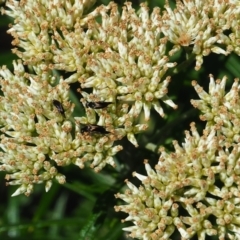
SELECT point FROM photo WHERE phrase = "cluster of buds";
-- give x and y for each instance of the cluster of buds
(120, 66)
(202, 27)
(193, 190)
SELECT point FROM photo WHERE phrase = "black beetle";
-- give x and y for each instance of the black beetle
(97, 105)
(93, 128)
(59, 107)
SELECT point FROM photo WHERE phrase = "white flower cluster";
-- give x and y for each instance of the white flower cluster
(220, 109)
(36, 137)
(195, 189)
(205, 26)
(122, 64)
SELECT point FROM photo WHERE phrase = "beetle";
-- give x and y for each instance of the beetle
(97, 105)
(59, 107)
(93, 128)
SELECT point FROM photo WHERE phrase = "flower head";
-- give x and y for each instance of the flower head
(34, 25)
(127, 66)
(182, 195)
(36, 138)
(220, 108)
(200, 24)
